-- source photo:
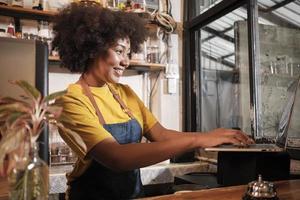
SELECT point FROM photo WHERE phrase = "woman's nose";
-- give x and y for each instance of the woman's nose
(125, 61)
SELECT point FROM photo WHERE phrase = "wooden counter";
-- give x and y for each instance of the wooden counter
(287, 190)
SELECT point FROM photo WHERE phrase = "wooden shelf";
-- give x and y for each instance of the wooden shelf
(144, 66)
(26, 13)
(134, 65)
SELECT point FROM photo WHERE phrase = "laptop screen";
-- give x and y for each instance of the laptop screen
(287, 125)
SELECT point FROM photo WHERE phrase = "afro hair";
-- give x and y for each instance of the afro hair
(84, 32)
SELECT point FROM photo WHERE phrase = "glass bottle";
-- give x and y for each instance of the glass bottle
(36, 181)
(16, 177)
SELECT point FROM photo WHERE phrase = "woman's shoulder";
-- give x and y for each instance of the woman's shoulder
(73, 93)
(74, 90)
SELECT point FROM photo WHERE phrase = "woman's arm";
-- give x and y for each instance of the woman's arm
(132, 156)
(159, 133)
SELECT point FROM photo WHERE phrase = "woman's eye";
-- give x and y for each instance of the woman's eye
(120, 52)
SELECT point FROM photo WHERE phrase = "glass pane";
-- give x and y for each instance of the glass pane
(279, 41)
(225, 72)
(200, 6)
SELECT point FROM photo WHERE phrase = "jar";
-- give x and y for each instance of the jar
(26, 36)
(33, 36)
(18, 34)
(153, 54)
(43, 28)
(54, 159)
(11, 30)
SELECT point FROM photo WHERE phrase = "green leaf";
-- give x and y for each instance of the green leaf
(28, 89)
(15, 116)
(7, 116)
(55, 95)
(4, 115)
(18, 107)
(7, 100)
(72, 137)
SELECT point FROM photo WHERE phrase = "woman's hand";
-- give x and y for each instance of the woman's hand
(222, 136)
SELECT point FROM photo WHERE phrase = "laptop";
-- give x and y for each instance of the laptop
(282, 136)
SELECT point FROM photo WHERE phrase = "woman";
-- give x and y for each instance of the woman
(108, 116)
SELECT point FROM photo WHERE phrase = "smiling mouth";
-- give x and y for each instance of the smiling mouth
(119, 70)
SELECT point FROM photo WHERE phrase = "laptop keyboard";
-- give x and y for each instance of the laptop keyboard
(259, 143)
(265, 140)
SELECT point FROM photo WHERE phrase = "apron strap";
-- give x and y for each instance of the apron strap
(116, 96)
(121, 102)
(89, 94)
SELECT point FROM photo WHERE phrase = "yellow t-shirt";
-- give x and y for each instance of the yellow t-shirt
(84, 120)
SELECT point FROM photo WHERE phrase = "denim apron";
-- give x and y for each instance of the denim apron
(99, 182)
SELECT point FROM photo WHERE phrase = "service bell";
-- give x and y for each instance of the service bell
(260, 190)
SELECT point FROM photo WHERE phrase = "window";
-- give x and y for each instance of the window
(241, 58)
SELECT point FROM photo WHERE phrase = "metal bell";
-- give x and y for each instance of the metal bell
(260, 190)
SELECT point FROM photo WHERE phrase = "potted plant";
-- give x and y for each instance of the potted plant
(21, 122)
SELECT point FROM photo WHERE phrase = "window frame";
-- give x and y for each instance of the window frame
(192, 59)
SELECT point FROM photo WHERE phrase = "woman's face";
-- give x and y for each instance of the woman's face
(111, 68)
